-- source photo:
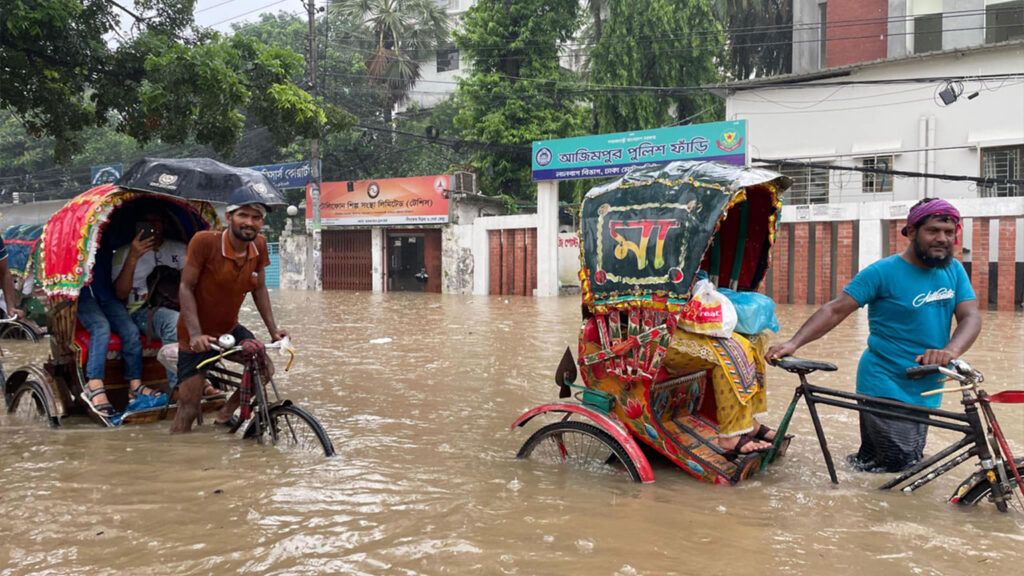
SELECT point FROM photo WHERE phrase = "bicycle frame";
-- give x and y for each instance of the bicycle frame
(975, 442)
(218, 374)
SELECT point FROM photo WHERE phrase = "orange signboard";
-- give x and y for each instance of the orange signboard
(418, 200)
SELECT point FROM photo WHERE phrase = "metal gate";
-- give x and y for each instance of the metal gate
(347, 260)
(513, 257)
(272, 273)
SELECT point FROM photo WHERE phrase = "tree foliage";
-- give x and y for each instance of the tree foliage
(64, 73)
(760, 36)
(394, 37)
(657, 43)
(516, 92)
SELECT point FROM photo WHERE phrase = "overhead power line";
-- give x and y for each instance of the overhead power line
(979, 180)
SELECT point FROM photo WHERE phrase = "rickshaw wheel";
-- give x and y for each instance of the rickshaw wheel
(29, 403)
(579, 445)
(297, 430)
(18, 331)
(981, 490)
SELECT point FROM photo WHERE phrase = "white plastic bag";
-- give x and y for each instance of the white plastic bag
(708, 312)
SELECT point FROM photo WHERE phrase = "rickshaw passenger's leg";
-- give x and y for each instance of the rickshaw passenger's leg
(92, 317)
(165, 327)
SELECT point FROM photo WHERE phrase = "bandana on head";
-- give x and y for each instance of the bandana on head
(937, 207)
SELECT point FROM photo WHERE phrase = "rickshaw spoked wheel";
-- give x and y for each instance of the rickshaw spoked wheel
(18, 331)
(579, 445)
(296, 430)
(29, 403)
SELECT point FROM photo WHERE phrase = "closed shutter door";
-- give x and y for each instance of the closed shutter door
(347, 260)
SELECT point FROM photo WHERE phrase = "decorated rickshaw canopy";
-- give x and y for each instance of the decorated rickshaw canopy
(21, 241)
(645, 236)
(200, 179)
(72, 236)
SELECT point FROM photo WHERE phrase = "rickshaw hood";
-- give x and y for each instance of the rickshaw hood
(643, 237)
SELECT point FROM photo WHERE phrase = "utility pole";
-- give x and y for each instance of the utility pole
(314, 195)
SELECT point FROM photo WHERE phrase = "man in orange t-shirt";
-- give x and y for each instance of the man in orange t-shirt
(220, 269)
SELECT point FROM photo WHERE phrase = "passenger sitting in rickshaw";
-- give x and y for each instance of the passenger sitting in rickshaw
(153, 308)
(99, 310)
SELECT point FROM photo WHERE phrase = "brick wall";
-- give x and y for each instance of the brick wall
(979, 261)
(1007, 263)
(800, 264)
(863, 24)
(822, 262)
(780, 265)
(844, 255)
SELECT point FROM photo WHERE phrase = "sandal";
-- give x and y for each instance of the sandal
(211, 392)
(105, 410)
(737, 452)
(140, 390)
(762, 434)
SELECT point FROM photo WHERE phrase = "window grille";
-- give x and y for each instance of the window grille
(1004, 21)
(1004, 163)
(810, 184)
(872, 183)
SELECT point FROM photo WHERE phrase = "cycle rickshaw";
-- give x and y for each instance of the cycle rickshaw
(22, 242)
(103, 218)
(643, 241)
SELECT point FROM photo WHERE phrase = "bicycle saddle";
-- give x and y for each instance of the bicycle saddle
(801, 366)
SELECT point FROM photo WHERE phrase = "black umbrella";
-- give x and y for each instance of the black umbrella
(201, 179)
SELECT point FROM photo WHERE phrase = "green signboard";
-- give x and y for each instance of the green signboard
(614, 154)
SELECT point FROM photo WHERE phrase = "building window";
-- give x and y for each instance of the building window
(927, 33)
(447, 60)
(822, 29)
(1004, 163)
(872, 182)
(810, 184)
(1004, 21)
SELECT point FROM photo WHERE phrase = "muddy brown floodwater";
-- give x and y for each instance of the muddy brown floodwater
(417, 392)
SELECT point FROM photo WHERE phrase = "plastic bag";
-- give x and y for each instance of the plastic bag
(755, 312)
(708, 312)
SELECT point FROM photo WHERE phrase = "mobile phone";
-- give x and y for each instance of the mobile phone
(145, 228)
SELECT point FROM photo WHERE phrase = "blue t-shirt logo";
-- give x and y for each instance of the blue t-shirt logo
(937, 295)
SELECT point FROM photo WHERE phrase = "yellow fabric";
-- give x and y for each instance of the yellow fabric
(738, 401)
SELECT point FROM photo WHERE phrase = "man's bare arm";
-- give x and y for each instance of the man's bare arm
(189, 309)
(123, 282)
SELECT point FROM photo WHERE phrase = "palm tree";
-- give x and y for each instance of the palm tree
(394, 37)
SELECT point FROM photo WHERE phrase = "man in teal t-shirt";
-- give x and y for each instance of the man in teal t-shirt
(912, 298)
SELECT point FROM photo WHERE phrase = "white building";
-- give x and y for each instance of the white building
(863, 115)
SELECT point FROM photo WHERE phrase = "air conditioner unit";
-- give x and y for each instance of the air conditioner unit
(464, 183)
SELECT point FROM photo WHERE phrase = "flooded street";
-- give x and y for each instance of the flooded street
(417, 392)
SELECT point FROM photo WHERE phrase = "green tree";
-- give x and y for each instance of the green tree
(165, 81)
(516, 92)
(656, 43)
(394, 36)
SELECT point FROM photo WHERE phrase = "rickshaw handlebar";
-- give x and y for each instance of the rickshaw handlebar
(225, 346)
(961, 372)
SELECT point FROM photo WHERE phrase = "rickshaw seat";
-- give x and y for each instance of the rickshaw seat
(150, 346)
